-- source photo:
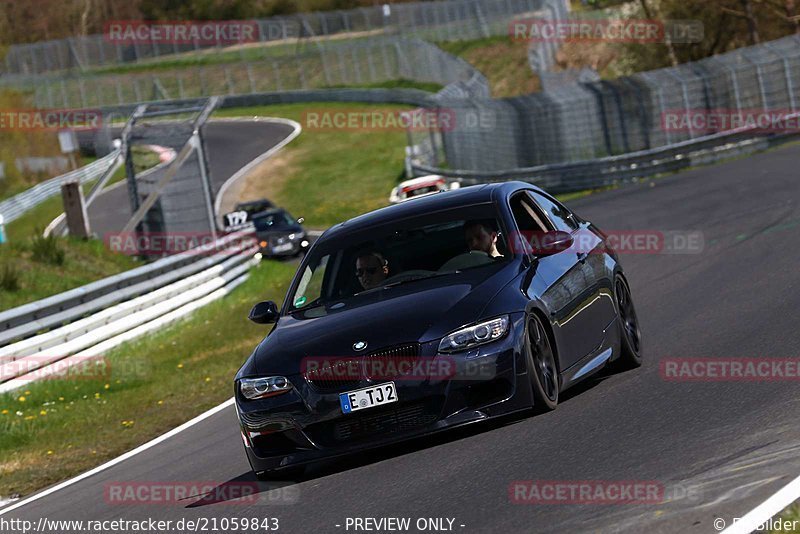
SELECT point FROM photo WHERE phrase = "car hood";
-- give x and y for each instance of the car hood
(419, 311)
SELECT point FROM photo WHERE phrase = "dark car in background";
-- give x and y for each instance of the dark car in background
(242, 216)
(449, 310)
(279, 234)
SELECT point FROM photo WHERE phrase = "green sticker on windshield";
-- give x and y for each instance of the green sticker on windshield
(299, 301)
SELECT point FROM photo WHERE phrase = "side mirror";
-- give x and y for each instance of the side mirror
(301, 220)
(264, 313)
(550, 243)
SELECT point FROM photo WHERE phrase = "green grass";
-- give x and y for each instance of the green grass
(84, 261)
(504, 63)
(792, 514)
(335, 175)
(396, 84)
(55, 429)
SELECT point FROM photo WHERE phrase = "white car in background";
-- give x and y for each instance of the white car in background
(419, 187)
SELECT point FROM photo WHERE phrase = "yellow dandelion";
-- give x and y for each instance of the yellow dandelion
(208, 379)
(159, 403)
(180, 366)
(21, 399)
(43, 412)
(5, 412)
(27, 393)
(49, 452)
(61, 399)
(107, 386)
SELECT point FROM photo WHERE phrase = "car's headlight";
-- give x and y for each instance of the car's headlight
(258, 388)
(469, 337)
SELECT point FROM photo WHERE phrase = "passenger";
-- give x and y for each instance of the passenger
(371, 269)
(481, 235)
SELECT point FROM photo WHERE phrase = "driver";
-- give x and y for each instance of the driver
(371, 269)
(481, 235)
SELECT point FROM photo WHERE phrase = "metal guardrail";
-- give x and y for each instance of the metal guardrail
(30, 359)
(16, 206)
(22, 321)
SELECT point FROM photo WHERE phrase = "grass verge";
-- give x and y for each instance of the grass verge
(503, 61)
(790, 515)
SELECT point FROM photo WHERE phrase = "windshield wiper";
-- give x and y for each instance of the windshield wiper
(310, 306)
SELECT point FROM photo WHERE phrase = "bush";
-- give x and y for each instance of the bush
(47, 250)
(9, 278)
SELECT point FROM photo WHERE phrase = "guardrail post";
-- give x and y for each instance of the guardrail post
(75, 210)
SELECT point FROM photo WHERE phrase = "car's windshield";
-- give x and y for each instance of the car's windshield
(400, 253)
(272, 221)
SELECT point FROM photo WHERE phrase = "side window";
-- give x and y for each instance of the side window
(559, 215)
(528, 221)
(310, 287)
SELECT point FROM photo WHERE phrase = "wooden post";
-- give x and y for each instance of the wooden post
(75, 210)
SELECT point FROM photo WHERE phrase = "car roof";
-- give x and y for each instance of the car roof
(421, 180)
(465, 196)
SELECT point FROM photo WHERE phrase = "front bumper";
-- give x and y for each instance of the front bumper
(307, 424)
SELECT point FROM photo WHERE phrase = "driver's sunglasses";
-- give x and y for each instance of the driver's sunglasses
(368, 270)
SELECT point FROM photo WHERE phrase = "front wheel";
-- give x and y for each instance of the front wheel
(542, 368)
(631, 342)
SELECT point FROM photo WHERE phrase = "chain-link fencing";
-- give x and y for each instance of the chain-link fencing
(365, 61)
(645, 111)
(445, 20)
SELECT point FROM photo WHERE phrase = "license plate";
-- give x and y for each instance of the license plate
(361, 399)
(282, 248)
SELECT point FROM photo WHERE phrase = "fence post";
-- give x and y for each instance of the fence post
(787, 72)
(685, 92)
(760, 77)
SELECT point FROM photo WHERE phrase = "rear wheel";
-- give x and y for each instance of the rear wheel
(542, 368)
(631, 342)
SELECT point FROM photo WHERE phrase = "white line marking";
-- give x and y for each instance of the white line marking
(767, 509)
(119, 459)
(263, 157)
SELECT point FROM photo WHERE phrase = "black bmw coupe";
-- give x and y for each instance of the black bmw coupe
(442, 311)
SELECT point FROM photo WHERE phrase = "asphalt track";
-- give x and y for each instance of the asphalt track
(728, 444)
(230, 145)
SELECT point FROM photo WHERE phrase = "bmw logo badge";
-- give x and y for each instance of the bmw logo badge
(359, 345)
